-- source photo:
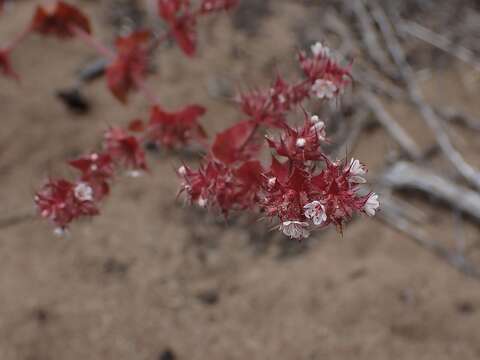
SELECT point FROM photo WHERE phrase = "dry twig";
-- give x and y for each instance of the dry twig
(391, 126)
(432, 120)
(405, 175)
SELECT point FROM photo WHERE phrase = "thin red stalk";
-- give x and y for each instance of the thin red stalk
(146, 91)
(93, 43)
(18, 39)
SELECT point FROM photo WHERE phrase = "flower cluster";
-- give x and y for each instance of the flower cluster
(302, 189)
(62, 201)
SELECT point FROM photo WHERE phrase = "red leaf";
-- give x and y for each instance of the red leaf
(233, 144)
(130, 65)
(6, 66)
(184, 33)
(60, 20)
(136, 125)
(171, 129)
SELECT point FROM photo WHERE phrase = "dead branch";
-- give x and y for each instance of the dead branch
(369, 35)
(390, 215)
(391, 126)
(454, 115)
(405, 175)
(431, 119)
(440, 41)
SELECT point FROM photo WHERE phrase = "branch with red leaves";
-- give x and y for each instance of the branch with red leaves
(301, 189)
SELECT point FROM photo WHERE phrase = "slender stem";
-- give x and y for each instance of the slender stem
(249, 138)
(18, 39)
(93, 43)
(146, 90)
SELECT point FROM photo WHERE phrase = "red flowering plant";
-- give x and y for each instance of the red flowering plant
(301, 188)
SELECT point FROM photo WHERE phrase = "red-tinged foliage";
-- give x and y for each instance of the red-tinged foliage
(97, 170)
(136, 125)
(175, 129)
(6, 65)
(236, 143)
(60, 20)
(223, 187)
(300, 144)
(62, 201)
(182, 23)
(124, 149)
(130, 65)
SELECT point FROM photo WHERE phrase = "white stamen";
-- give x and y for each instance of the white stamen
(301, 142)
(202, 202)
(295, 229)
(271, 182)
(83, 192)
(182, 170)
(319, 50)
(316, 212)
(372, 205)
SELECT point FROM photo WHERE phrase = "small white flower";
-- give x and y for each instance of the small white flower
(182, 170)
(202, 202)
(281, 99)
(357, 171)
(60, 232)
(324, 89)
(319, 50)
(295, 229)
(83, 192)
(371, 205)
(316, 212)
(301, 142)
(314, 119)
(271, 182)
(135, 173)
(319, 128)
(94, 157)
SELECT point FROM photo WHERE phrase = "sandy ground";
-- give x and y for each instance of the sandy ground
(150, 279)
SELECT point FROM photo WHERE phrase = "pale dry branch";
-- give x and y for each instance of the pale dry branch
(406, 175)
(435, 124)
(385, 119)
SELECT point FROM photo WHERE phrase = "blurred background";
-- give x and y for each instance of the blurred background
(153, 279)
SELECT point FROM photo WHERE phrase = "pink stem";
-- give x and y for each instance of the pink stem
(18, 39)
(93, 43)
(146, 91)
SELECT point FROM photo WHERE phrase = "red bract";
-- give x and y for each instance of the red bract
(339, 196)
(174, 129)
(60, 21)
(223, 187)
(124, 149)
(62, 201)
(6, 66)
(182, 22)
(235, 143)
(97, 170)
(130, 65)
(301, 144)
